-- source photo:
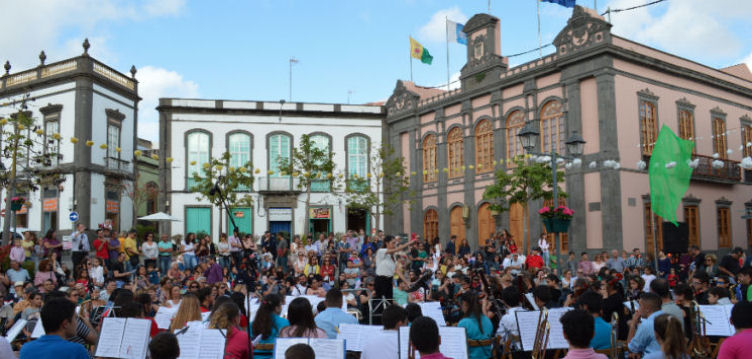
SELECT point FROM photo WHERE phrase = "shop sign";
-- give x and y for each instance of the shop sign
(280, 214)
(319, 213)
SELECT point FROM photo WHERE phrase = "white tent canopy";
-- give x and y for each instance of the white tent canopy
(159, 217)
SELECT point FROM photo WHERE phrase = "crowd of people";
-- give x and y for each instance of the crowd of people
(481, 289)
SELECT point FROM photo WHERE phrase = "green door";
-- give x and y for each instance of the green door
(242, 218)
(198, 219)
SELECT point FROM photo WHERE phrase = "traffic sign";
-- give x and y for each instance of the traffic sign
(73, 216)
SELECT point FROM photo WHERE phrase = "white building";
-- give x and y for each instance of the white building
(84, 99)
(193, 131)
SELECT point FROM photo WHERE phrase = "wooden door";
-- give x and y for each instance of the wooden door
(457, 224)
(486, 224)
(516, 224)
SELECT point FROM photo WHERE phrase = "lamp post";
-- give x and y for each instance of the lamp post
(575, 144)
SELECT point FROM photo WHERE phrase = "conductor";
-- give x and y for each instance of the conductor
(385, 266)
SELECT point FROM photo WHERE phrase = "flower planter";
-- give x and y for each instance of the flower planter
(549, 223)
(561, 225)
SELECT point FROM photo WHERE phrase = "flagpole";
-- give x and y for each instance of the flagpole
(540, 44)
(595, 5)
(446, 28)
(411, 61)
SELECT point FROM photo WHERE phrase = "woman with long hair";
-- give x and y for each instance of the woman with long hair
(44, 272)
(188, 249)
(227, 316)
(669, 334)
(302, 325)
(267, 323)
(188, 311)
(476, 324)
(52, 244)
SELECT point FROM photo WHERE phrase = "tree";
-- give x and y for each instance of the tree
(217, 173)
(32, 152)
(527, 181)
(311, 163)
(139, 194)
(381, 191)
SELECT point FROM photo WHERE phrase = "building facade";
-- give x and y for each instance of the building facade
(617, 94)
(194, 131)
(93, 108)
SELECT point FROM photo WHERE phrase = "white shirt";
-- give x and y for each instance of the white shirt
(97, 274)
(384, 263)
(383, 345)
(543, 244)
(150, 251)
(5, 350)
(510, 262)
(508, 325)
(189, 247)
(647, 278)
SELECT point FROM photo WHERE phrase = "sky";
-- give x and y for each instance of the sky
(347, 50)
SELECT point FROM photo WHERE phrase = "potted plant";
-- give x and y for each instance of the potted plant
(16, 203)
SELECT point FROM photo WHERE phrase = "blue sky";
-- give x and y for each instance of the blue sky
(241, 49)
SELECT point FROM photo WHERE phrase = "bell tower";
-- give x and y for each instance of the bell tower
(484, 61)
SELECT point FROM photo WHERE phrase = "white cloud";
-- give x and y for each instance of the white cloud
(435, 29)
(155, 82)
(748, 61)
(55, 25)
(694, 28)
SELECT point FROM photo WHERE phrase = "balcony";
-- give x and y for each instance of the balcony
(730, 173)
(118, 167)
(277, 184)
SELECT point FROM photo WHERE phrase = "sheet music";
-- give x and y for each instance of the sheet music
(189, 341)
(356, 335)
(527, 323)
(433, 311)
(281, 345)
(531, 300)
(135, 338)
(453, 342)
(110, 337)
(328, 348)
(211, 344)
(38, 330)
(164, 316)
(556, 335)
(16, 329)
(717, 317)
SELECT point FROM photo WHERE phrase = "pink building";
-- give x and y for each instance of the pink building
(617, 94)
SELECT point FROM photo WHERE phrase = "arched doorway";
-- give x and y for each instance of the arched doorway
(457, 224)
(516, 223)
(486, 224)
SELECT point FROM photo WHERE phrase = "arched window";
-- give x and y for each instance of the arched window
(456, 157)
(429, 159)
(648, 127)
(279, 151)
(719, 137)
(686, 125)
(430, 225)
(239, 147)
(484, 146)
(515, 123)
(357, 156)
(552, 127)
(198, 154)
(323, 143)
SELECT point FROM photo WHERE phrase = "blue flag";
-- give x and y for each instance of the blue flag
(455, 34)
(565, 3)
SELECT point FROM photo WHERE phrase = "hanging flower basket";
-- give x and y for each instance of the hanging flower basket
(556, 220)
(561, 225)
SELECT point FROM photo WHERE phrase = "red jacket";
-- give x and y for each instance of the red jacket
(534, 261)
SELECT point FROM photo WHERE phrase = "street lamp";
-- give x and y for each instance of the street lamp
(575, 145)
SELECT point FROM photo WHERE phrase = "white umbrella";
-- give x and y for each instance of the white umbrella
(159, 217)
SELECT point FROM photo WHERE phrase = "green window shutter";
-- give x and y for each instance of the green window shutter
(198, 219)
